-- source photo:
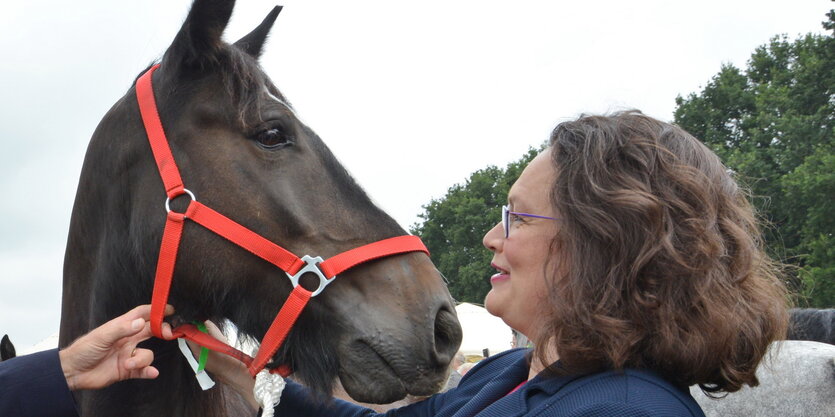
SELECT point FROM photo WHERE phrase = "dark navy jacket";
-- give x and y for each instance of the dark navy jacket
(484, 392)
(34, 385)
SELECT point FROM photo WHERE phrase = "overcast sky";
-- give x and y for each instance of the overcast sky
(411, 96)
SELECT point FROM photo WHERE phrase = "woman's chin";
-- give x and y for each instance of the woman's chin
(492, 303)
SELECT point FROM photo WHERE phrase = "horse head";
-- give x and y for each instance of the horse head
(385, 328)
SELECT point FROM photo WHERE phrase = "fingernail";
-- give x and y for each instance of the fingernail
(137, 324)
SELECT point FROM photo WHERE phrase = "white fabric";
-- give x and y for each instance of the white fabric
(268, 388)
(203, 378)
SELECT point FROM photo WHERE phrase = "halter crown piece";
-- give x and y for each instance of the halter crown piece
(327, 270)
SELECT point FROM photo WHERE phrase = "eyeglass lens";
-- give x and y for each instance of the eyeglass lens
(505, 223)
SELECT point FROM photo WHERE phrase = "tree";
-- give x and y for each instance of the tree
(810, 197)
(774, 126)
(452, 227)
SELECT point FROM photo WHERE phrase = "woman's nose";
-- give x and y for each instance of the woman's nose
(493, 238)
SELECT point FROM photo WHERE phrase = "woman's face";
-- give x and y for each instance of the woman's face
(519, 288)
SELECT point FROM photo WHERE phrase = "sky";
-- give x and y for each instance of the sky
(412, 97)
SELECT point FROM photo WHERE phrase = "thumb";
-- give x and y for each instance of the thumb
(119, 328)
(126, 325)
(129, 324)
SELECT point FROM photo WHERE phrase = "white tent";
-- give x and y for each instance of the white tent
(51, 342)
(482, 330)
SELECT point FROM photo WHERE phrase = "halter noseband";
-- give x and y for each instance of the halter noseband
(295, 267)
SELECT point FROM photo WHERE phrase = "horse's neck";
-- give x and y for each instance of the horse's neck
(96, 254)
(78, 282)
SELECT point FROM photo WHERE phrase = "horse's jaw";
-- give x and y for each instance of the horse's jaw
(390, 360)
(370, 378)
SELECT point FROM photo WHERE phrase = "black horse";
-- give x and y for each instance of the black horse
(386, 328)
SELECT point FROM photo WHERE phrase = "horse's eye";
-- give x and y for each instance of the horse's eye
(273, 138)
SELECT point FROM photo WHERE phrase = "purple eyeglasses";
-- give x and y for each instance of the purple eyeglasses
(506, 223)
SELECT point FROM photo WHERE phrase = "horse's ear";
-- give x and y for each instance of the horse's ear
(7, 350)
(254, 41)
(198, 43)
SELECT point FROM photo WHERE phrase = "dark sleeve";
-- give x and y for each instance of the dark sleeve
(296, 400)
(622, 409)
(608, 409)
(34, 385)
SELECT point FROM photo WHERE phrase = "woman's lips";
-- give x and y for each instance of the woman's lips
(499, 277)
(502, 275)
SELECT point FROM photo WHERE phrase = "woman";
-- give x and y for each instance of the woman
(632, 259)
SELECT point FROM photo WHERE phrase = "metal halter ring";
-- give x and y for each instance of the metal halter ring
(311, 265)
(168, 199)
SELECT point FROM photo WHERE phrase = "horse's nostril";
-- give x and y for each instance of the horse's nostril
(447, 335)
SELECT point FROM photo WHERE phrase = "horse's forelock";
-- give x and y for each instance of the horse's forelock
(245, 83)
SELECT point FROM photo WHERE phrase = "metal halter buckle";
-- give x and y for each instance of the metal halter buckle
(311, 265)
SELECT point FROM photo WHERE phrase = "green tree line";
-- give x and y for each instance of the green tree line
(772, 123)
(452, 227)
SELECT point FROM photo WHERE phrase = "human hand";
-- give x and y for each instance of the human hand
(227, 369)
(109, 354)
(223, 367)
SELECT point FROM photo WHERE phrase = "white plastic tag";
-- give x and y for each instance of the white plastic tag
(203, 378)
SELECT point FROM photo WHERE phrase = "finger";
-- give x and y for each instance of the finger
(126, 325)
(215, 331)
(147, 333)
(148, 372)
(194, 347)
(132, 323)
(144, 311)
(167, 334)
(142, 336)
(113, 331)
(140, 358)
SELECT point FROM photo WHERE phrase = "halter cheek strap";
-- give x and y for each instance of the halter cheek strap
(285, 260)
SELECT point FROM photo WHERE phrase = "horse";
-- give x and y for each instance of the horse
(797, 378)
(7, 350)
(816, 325)
(384, 329)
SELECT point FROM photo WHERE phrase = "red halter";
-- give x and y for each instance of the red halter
(245, 238)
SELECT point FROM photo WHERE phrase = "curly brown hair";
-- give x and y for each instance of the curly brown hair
(658, 258)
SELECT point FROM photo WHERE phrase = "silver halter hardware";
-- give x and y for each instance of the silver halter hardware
(168, 199)
(311, 265)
